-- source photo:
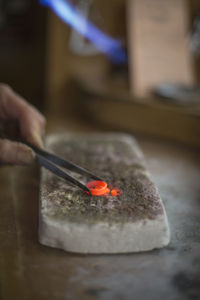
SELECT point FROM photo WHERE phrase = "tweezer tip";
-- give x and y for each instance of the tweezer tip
(89, 193)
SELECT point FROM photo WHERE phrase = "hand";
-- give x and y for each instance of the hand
(30, 122)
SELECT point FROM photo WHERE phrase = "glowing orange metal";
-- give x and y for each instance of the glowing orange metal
(116, 192)
(100, 188)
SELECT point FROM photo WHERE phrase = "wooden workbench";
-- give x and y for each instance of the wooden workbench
(29, 270)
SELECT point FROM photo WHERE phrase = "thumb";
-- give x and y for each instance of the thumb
(15, 153)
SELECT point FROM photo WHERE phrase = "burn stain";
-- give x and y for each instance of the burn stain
(170, 248)
(97, 268)
(95, 291)
(190, 230)
(188, 284)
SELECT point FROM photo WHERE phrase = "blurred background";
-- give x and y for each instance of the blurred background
(94, 65)
(133, 66)
(22, 48)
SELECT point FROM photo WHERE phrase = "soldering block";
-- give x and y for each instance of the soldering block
(72, 220)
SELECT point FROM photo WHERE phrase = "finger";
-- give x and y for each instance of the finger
(15, 153)
(32, 128)
(31, 121)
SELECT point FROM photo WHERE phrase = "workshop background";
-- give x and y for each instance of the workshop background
(153, 93)
(52, 66)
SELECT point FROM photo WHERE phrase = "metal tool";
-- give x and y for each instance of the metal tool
(51, 162)
(10, 130)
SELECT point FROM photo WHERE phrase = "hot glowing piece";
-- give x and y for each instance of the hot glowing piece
(116, 192)
(98, 188)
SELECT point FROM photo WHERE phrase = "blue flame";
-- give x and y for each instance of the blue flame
(106, 44)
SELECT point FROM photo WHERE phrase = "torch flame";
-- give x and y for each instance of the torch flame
(106, 44)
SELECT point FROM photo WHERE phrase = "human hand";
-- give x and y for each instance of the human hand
(30, 123)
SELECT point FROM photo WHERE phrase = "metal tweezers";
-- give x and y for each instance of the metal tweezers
(49, 161)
